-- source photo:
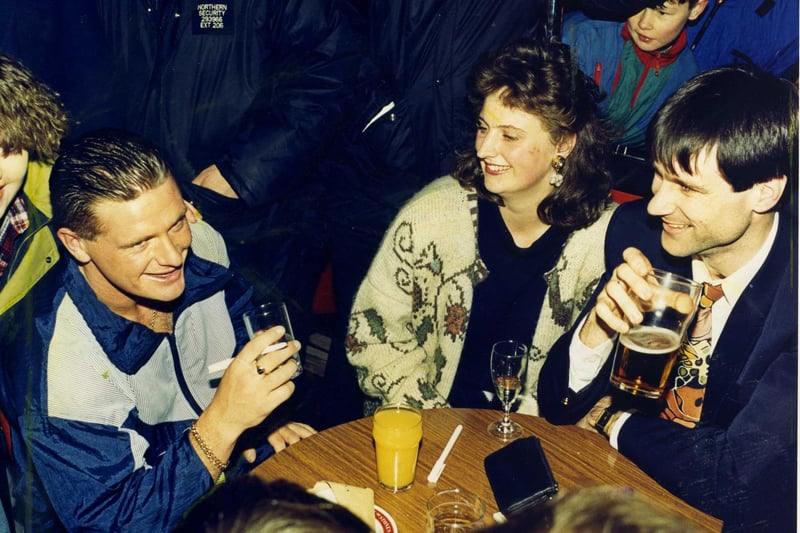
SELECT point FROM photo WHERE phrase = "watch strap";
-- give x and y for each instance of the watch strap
(602, 422)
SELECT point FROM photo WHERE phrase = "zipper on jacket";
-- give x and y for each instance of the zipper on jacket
(176, 364)
(598, 73)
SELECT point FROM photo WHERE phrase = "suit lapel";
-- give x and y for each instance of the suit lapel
(742, 334)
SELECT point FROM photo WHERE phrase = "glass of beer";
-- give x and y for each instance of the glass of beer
(455, 511)
(645, 355)
(397, 430)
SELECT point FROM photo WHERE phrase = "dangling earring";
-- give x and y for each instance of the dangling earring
(558, 165)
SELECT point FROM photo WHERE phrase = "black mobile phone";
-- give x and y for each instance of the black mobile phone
(520, 475)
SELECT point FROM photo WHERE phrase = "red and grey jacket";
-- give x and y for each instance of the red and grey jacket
(597, 47)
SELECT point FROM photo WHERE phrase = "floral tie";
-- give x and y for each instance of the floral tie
(684, 402)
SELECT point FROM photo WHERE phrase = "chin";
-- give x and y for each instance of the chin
(167, 294)
(676, 249)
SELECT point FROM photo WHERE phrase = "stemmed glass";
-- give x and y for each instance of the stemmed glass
(509, 362)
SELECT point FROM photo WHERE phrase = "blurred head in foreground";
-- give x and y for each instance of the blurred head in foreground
(601, 509)
(249, 504)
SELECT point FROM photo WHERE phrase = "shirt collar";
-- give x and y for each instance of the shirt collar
(735, 284)
(12, 225)
(17, 215)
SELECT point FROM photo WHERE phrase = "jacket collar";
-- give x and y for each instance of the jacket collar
(129, 345)
(657, 59)
(761, 325)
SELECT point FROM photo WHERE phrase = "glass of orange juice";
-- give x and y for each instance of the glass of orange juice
(397, 430)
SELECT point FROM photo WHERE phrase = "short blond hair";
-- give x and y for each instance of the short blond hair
(606, 509)
(600, 509)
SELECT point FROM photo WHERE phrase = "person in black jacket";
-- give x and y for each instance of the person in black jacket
(424, 51)
(723, 436)
(246, 97)
(243, 96)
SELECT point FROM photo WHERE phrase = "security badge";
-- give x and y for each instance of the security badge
(213, 18)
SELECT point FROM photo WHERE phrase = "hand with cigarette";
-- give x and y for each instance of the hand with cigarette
(254, 384)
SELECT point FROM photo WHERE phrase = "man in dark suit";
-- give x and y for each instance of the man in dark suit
(725, 150)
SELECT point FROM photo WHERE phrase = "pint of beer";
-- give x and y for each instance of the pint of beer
(645, 355)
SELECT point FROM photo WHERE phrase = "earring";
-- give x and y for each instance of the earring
(558, 165)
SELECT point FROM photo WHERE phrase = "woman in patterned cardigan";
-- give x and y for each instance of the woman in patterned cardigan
(510, 246)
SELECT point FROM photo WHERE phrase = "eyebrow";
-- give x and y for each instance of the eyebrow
(502, 126)
(671, 176)
(133, 242)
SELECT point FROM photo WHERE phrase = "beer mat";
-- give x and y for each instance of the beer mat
(384, 523)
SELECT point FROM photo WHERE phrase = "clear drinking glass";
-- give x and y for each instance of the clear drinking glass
(455, 511)
(645, 355)
(268, 315)
(509, 363)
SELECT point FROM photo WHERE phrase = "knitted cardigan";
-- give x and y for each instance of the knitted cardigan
(409, 318)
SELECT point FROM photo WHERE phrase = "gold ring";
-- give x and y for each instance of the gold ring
(260, 370)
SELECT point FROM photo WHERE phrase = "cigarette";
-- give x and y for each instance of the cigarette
(222, 365)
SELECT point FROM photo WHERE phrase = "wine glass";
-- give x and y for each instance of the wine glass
(509, 362)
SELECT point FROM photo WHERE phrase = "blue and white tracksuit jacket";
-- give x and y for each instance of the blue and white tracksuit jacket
(101, 405)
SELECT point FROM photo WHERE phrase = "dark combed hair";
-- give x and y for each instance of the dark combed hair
(105, 164)
(32, 116)
(749, 116)
(539, 78)
(663, 3)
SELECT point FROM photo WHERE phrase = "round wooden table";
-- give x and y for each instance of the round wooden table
(578, 458)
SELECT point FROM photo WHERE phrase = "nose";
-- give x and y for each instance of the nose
(644, 19)
(662, 203)
(485, 145)
(170, 251)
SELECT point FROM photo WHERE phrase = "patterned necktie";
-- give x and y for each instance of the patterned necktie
(684, 402)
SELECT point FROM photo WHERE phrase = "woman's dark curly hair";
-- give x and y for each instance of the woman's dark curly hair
(539, 78)
(32, 116)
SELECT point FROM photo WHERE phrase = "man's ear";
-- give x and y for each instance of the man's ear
(698, 9)
(768, 193)
(74, 245)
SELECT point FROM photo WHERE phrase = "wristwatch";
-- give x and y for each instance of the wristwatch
(602, 423)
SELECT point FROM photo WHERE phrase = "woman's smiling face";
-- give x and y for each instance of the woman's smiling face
(514, 148)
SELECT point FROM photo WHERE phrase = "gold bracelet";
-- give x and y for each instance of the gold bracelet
(219, 465)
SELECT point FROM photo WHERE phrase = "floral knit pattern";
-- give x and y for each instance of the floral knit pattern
(410, 316)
